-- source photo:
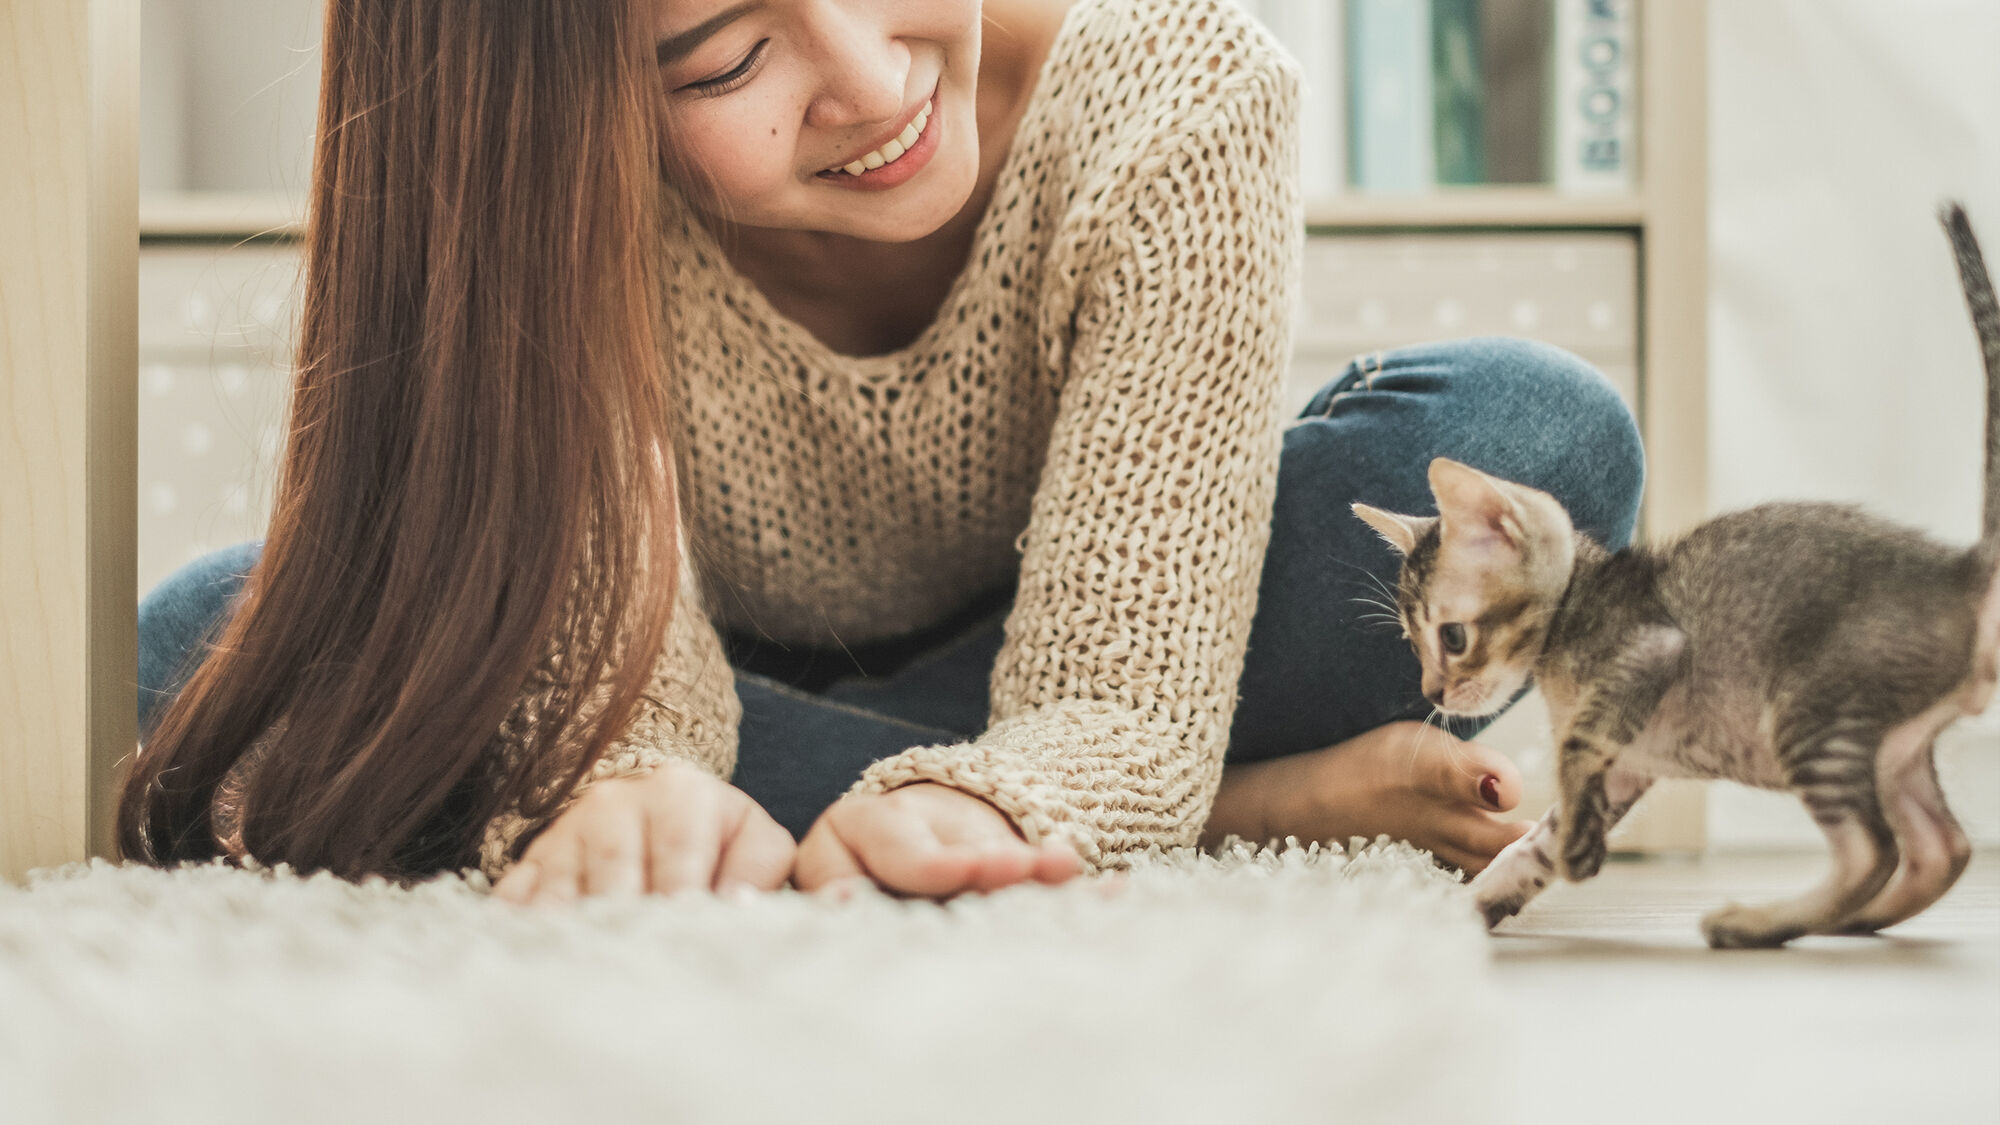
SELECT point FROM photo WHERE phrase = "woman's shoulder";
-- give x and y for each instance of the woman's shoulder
(1165, 55)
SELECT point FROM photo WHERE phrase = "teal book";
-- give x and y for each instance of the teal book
(1389, 96)
(1458, 127)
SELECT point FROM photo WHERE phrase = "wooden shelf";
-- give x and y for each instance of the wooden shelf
(1467, 207)
(254, 215)
(218, 214)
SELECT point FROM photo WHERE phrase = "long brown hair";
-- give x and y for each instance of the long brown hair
(478, 471)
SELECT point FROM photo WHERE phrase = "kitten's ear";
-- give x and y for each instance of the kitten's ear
(1470, 502)
(1402, 532)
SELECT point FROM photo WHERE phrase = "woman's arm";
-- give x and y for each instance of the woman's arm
(1114, 694)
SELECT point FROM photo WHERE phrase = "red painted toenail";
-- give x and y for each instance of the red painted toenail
(1489, 788)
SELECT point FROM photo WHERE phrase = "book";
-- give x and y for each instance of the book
(1593, 128)
(1458, 132)
(1389, 116)
(1514, 74)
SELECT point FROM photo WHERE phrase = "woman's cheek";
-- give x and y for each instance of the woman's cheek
(744, 157)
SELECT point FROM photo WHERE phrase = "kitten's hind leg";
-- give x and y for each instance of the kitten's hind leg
(1834, 774)
(1934, 848)
(1528, 865)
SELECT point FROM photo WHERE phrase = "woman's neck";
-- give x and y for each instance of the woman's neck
(862, 297)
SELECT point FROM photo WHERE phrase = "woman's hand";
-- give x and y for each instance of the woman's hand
(676, 828)
(925, 840)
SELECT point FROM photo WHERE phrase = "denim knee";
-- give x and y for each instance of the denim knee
(1578, 427)
(178, 615)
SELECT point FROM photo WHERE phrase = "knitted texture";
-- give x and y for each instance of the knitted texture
(1092, 415)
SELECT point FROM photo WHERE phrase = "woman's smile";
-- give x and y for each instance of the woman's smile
(895, 159)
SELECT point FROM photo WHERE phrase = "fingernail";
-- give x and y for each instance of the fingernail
(1489, 788)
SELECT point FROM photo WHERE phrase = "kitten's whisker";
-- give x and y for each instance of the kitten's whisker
(1370, 575)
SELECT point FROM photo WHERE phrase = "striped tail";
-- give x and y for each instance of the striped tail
(1986, 323)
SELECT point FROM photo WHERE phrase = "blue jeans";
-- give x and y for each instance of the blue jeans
(1316, 673)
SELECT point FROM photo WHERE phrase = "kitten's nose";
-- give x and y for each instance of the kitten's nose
(1436, 696)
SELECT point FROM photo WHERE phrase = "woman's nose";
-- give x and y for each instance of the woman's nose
(864, 71)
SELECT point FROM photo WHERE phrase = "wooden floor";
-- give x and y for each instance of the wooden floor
(1639, 1021)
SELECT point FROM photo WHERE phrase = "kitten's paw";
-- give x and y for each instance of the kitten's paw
(1498, 910)
(1745, 927)
(1583, 851)
(1580, 833)
(1498, 901)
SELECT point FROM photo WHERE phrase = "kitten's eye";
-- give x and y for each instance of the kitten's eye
(1452, 636)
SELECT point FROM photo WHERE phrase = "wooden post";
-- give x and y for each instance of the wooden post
(1673, 372)
(69, 240)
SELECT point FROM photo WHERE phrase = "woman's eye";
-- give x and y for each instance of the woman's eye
(1452, 637)
(737, 75)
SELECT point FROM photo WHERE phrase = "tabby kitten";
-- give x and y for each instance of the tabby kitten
(1805, 647)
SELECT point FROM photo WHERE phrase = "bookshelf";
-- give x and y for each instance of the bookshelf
(1665, 218)
(1655, 233)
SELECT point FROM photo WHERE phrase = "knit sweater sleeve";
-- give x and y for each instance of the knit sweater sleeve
(689, 712)
(1113, 694)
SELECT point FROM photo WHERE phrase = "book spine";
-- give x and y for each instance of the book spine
(1457, 104)
(1594, 127)
(1514, 72)
(1389, 117)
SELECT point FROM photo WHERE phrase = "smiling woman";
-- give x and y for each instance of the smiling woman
(964, 373)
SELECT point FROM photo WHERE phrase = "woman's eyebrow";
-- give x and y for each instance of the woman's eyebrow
(674, 48)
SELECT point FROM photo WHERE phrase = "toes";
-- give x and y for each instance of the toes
(1489, 834)
(1470, 773)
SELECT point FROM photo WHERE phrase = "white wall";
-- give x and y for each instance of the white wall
(229, 94)
(1842, 364)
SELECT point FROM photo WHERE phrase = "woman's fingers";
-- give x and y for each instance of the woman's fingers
(1056, 862)
(613, 847)
(901, 852)
(824, 859)
(684, 841)
(518, 884)
(759, 855)
(559, 861)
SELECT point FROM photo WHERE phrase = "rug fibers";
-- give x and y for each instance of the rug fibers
(1298, 984)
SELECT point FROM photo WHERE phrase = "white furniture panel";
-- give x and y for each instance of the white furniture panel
(215, 325)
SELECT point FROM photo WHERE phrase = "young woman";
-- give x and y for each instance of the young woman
(720, 423)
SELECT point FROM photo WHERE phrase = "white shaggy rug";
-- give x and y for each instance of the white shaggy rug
(1303, 985)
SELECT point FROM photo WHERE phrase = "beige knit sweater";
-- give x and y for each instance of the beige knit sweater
(1095, 404)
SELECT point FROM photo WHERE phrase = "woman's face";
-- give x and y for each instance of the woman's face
(772, 102)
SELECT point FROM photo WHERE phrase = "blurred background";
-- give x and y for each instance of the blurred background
(1473, 167)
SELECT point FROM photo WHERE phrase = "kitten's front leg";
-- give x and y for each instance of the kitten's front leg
(1615, 708)
(1517, 874)
(1526, 867)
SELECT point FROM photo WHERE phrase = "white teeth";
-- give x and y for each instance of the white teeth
(891, 152)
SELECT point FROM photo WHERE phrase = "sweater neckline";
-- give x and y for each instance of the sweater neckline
(882, 365)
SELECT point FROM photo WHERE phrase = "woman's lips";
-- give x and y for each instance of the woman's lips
(903, 167)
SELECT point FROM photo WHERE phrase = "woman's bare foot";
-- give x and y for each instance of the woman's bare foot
(1408, 780)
